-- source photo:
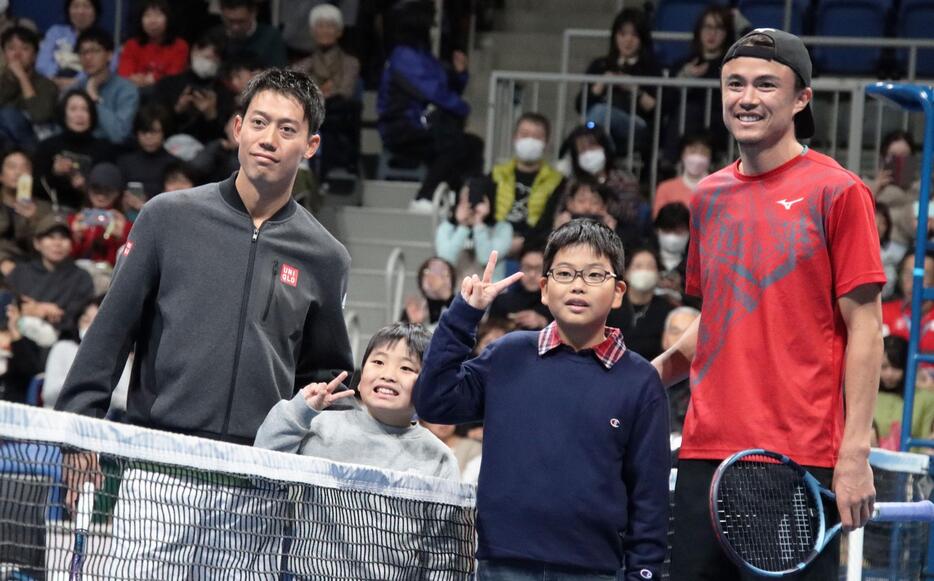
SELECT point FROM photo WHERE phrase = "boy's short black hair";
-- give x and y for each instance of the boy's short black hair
(96, 35)
(21, 33)
(532, 243)
(673, 216)
(586, 232)
(602, 190)
(416, 339)
(290, 84)
(699, 138)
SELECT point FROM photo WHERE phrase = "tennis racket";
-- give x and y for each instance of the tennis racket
(769, 517)
(82, 524)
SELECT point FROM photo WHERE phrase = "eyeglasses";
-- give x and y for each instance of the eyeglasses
(591, 276)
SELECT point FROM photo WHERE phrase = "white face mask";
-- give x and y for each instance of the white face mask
(592, 161)
(529, 149)
(205, 68)
(673, 243)
(642, 279)
(696, 165)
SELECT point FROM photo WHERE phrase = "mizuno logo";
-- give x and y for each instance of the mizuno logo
(788, 204)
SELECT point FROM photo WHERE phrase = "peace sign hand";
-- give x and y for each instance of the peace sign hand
(320, 396)
(479, 293)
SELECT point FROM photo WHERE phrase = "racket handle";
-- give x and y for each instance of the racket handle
(904, 511)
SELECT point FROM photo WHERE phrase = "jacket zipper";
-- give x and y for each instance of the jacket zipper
(244, 311)
(272, 289)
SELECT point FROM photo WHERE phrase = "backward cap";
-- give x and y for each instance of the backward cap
(788, 50)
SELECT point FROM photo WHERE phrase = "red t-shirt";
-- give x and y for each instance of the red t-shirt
(158, 59)
(770, 255)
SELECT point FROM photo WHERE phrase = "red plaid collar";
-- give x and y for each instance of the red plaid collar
(608, 352)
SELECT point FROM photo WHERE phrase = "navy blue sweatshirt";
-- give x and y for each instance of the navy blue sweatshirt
(575, 456)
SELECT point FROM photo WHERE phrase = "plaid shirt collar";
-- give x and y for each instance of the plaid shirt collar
(608, 352)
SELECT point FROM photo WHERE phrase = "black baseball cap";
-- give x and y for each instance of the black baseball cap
(788, 50)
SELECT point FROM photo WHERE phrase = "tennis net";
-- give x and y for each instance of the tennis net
(892, 551)
(166, 506)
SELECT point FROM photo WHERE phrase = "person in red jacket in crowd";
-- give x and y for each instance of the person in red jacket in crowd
(100, 229)
(155, 51)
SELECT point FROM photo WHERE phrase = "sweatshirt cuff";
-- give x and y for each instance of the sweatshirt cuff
(463, 315)
(301, 411)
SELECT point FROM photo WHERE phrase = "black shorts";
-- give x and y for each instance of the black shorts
(695, 553)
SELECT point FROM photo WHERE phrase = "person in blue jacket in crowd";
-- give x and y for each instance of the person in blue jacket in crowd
(421, 111)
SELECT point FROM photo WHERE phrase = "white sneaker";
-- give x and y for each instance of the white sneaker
(421, 206)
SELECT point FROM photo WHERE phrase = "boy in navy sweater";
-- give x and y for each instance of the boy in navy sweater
(574, 478)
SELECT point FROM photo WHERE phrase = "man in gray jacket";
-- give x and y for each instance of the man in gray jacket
(231, 292)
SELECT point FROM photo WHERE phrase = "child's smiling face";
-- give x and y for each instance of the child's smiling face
(386, 383)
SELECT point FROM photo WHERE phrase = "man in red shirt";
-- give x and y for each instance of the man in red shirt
(784, 253)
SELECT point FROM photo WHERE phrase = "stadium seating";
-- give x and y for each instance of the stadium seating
(916, 20)
(771, 13)
(855, 18)
(677, 16)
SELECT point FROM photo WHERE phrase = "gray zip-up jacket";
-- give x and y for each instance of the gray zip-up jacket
(227, 319)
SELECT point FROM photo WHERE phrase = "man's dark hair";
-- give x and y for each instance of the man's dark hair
(293, 84)
(22, 34)
(673, 216)
(602, 190)
(211, 38)
(536, 118)
(232, 4)
(149, 114)
(180, 168)
(163, 6)
(533, 243)
(96, 35)
(586, 232)
(95, 3)
(410, 24)
(82, 94)
(766, 41)
(416, 339)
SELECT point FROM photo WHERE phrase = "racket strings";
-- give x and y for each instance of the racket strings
(767, 514)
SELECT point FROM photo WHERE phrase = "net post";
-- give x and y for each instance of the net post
(854, 555)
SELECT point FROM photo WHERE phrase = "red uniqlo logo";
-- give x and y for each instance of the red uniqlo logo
(288, 275)
(127, 248)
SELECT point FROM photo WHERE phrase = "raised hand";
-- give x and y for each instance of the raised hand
(320, 396)
(480, 292)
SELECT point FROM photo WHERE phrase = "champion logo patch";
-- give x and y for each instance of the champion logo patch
(614, 422)
(288, 275)
(127, 248)
(645, 574)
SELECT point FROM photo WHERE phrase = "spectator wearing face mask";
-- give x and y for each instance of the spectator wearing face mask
(695, 157)
(198, 98)
(672, 227)
(642, 315)
(591, 153)
(525, 184)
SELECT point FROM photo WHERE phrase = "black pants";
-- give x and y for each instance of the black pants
(695, 553)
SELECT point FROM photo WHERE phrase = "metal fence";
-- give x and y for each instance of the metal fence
(841, 112)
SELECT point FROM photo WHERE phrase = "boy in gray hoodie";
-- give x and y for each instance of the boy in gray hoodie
(380, 432)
